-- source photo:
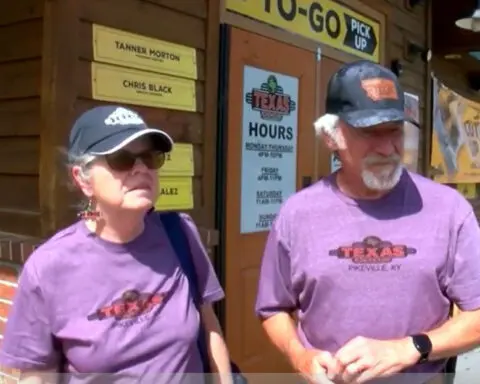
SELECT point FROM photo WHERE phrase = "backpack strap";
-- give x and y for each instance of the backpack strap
(174, 228)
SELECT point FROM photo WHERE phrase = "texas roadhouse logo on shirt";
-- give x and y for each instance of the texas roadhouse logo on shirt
(131, 306)
(372, 250)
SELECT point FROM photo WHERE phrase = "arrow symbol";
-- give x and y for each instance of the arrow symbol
(360, 35)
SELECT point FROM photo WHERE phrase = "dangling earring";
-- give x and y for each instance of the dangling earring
(89, 213)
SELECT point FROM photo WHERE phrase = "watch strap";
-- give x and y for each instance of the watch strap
(423, 345)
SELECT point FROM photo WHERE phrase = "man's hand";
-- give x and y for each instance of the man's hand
(317, 366)
(365, 359)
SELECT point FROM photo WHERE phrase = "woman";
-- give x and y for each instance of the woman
(107, 294)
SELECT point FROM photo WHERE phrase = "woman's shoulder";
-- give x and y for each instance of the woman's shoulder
(185, 219)
(47, 254)
(185, 223)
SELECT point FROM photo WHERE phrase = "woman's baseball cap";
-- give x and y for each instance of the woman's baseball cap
(106, 129)
(365, 94)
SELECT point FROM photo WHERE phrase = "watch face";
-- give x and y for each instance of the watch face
(423, 344)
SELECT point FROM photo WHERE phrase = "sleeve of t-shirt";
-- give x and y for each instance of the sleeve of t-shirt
(27, 341)
(209, 286)
(275, 293)
(463, 280)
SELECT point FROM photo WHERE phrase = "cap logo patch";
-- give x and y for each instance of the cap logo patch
(122, 116)
(380, 89)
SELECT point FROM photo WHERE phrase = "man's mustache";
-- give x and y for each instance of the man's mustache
(381, 160)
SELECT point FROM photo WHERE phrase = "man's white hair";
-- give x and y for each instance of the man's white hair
(328, 125)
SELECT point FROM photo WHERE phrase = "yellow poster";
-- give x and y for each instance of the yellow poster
(468, 190)
(327, 22)
(179, 162)
(114, 46)
(456, 137)
(175, 194)
(131, 86)
(411, 136)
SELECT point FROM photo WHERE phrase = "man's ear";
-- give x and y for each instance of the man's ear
(330, 142)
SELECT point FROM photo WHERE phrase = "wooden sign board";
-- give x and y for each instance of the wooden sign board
(179, 162)
(327, 23)
(131, 86)
(114, 46)
(175, 194)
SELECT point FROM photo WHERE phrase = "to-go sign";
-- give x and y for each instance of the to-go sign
(322, 20)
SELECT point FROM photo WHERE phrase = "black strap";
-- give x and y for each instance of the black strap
(173, 227)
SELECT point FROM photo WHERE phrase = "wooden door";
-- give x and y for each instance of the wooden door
(272, 90)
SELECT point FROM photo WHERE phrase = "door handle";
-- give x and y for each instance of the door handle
(306, 181)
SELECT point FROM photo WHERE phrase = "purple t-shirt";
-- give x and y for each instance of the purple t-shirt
(383, 269)
(110, 308)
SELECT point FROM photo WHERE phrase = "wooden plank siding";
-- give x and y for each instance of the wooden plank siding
(156, 19)
(411, 25)
(45, 83)
(21, 30)
(21, 27)
(453, 75)
(22, 115)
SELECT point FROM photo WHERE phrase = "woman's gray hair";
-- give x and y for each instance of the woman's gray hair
(83, 162)
(70, 161)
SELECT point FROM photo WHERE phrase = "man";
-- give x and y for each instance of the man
(371, 257)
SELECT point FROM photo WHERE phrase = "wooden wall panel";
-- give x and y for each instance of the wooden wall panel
(410, 25)
(19, 117)
(182, 126)
(20, 89)
(19, 155)
(21, 222)
(148, 19)
(189, 7)
(156, 19)
(20, 79)
(22, 192)
(21, 11)
(30, 46)
(453, 75)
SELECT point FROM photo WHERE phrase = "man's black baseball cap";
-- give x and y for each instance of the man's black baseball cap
(106, 129)
(365, 94)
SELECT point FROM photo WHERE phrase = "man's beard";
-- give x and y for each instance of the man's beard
(386, 177)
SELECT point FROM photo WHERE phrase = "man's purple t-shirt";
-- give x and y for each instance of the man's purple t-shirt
(112, 308)
(384, 269)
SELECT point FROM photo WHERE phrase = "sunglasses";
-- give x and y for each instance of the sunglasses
(122, 161)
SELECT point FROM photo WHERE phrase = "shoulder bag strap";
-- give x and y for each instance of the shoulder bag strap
(174, 228)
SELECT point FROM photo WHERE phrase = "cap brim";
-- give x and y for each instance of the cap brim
(372, 117)
(161, 141)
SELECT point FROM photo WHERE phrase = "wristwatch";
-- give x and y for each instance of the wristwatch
(423, 345)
